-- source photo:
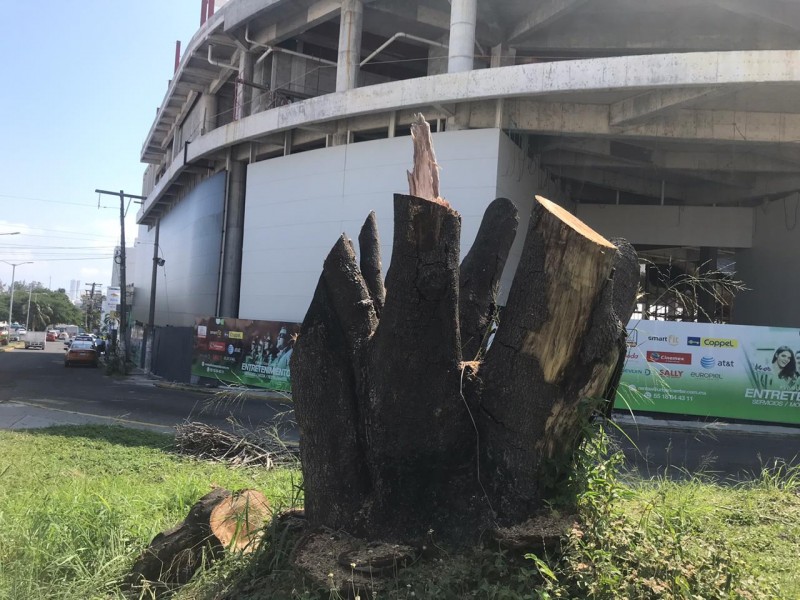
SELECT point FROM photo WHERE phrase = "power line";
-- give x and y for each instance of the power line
(62, 202)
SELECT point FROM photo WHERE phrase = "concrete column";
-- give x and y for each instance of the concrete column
(503, 56)
(438, 58)
(244, 93)
(705, 298)
(463, 18)
(350, 28)
(210, 117)
(231, 275)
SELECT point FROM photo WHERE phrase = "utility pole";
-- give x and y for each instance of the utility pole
(90, 305)
(123, 284)
(28, 312)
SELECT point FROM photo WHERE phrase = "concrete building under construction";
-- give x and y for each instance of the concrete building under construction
(673, 124)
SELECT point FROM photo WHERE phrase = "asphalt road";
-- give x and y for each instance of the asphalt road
(35, 379)
(38, 379)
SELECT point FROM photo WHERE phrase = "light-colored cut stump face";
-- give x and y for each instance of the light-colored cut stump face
(238, 520)
(569, 219)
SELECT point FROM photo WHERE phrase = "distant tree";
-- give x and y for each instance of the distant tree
(64, 311)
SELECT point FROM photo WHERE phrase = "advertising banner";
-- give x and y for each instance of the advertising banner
(244, 352)
(732, 371)
(113, 297)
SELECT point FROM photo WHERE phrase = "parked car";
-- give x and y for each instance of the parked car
(81, 352)
(52, 336)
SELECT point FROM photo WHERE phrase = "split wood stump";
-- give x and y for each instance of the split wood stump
(409, 425)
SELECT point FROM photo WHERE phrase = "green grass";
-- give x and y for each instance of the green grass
(77, 505)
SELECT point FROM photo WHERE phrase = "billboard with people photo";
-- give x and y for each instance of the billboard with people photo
(244, 352)
(732, 371)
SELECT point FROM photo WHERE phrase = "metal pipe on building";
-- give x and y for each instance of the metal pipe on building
(149, 332)
(177, 55)
(214, 62)
(350, 29)
(463, 20)
(233, 236)
(398, 35)
(271, 49)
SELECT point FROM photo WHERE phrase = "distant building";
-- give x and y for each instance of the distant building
(74, 290)
(673, 124)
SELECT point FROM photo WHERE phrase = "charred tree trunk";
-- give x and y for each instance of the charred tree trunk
(398, 433)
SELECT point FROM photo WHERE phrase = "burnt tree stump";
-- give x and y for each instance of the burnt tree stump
(407, 422)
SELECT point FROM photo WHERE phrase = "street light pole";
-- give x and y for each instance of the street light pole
(13, 273)
(28, 312)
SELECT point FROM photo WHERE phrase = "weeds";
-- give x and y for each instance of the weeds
(654, 540)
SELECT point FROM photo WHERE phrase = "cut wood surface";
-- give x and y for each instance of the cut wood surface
(238, 520)
(217, 521)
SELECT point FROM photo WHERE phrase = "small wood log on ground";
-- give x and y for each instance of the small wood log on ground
(402, 432)
(220, 520)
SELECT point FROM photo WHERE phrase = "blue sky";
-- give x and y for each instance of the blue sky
(81, 82)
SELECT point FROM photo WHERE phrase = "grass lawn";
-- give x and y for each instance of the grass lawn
(77, 505)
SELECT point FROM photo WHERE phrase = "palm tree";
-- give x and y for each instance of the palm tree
(41, 314)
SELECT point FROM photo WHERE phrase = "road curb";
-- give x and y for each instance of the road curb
(249, 394)
(788, 431)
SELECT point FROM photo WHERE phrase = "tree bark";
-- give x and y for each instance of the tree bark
(399, 435)
(480, 275)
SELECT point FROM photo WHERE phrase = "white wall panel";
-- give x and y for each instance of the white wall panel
(190, 242)
(517, 180)
(298, 205)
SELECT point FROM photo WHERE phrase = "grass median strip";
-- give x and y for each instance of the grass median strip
(79, 503)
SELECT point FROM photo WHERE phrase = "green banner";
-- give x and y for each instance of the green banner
(245, 352)
(712, 370)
